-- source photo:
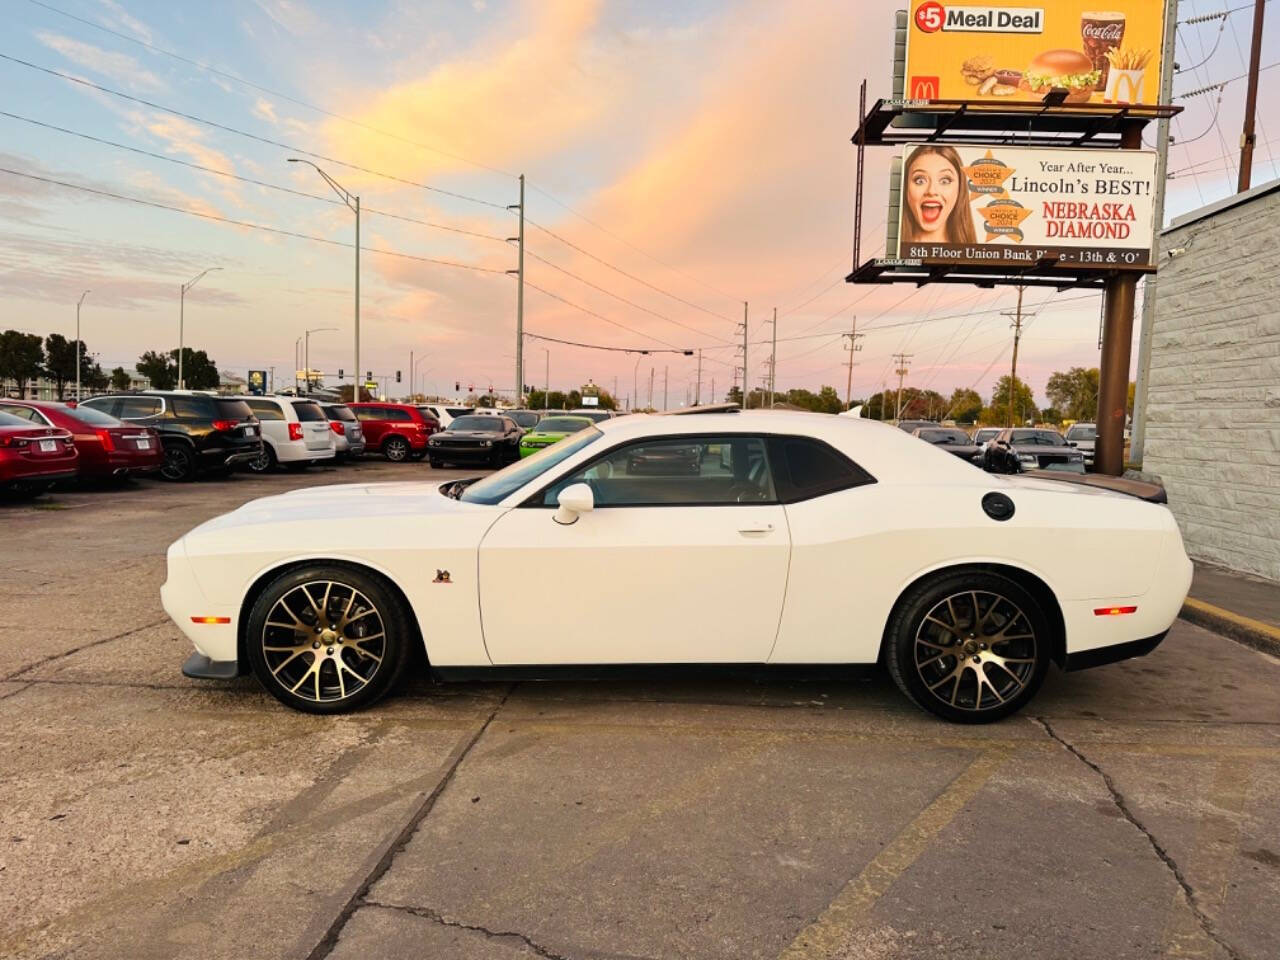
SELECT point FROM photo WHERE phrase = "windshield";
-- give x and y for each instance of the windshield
(563, 424)
(1037, 438)
(491, 424)
(594, 415)
(498, 486)
(93, 417)
(945, 436)
(1083, 431)
(985, 434)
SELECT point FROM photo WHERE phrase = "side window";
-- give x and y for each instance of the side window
(684, 471)
(394, 414)
(265, 410)
(808, 468)
(364, 414)
(189, 408)
(138, 408)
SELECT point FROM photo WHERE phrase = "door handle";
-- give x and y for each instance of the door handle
(749, 531)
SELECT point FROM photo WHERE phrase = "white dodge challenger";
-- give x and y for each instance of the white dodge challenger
(720, 537)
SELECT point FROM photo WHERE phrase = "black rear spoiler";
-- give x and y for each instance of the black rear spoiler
(1150, 492)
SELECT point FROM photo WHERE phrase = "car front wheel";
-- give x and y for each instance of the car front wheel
(396, 449)
(970, 646)
(328, 638)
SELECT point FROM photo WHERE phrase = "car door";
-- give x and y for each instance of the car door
(683, 559)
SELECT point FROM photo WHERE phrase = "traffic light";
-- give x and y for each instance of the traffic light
(457, 385)
(397, 376)
(368, 374)
(339, 373)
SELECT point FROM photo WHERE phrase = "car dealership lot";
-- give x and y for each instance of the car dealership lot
(1131, 811)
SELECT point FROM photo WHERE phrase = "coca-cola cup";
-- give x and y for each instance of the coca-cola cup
(1101, 30)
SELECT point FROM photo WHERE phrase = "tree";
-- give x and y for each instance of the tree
(198, 371)
(1024, 404)
(156, 368)
(92, 376)
(1051, 415)
(734, 395)
(345, 391)
(120, 379)
(1074, 393)
(60, 361)
(966, 405)
(21, 358)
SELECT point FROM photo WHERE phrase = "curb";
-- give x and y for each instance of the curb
(1252, 633)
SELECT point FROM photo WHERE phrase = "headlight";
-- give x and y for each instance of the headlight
(434, 440)
(486, 443)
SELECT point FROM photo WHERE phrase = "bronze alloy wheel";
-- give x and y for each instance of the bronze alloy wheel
(975, 649)
(324, 641)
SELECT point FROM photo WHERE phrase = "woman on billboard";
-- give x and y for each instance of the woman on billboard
(936, 202)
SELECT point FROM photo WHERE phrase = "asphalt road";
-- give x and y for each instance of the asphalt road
(1133, 812)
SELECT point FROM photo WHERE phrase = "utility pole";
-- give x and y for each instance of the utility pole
(666, 380)
(1013, 373)
(853, 348)
(519, 272)
(697, 394)
(745, 367)
(904, 361)
(650, 403)
(713, 389)
(411, 376)
(773, 359)
(271, 380)
(1248, 139)
(78, 350)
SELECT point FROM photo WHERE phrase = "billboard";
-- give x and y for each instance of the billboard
(1021, 50)
(257, 382)
(1018, 205)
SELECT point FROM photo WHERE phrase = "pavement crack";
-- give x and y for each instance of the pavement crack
(1188, 892)
(427, 913)
(330, 939)
(84, 646)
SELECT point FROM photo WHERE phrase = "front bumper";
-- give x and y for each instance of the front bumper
(441, 452)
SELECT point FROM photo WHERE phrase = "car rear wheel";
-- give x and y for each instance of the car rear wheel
(328, 638)
(179, 463)
(970, 646)
(396, 449)
(436, 462)
(264, 462)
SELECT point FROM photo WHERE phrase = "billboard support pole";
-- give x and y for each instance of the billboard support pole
(1248, 138)
(1117, 347)
(862, 152)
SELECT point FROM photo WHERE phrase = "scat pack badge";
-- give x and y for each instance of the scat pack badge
(442, 576)
(1003, 218)
(987, 176)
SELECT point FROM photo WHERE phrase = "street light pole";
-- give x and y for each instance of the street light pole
(78, 302)
(353, 204)
(546, 393)
(297, 365)
(306, 358)
(182, 300)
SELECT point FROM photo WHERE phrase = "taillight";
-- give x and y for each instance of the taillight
(104, 435)
(295, 431)
(336, 427)
(225, 424)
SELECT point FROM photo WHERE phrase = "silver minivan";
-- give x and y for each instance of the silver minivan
(295, 433)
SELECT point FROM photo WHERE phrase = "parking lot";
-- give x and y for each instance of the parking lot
(1133, 812)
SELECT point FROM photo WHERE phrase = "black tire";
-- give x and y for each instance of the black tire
(364, 626)
(395, 449)
(417, 455)
(179, 463)
(936, 646)
(264, 462)
(436, 462)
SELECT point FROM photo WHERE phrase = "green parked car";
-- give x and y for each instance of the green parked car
(551, 430)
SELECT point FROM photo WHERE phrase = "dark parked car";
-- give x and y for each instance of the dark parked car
(1017, 449)
(953, 440)
(32, 458)
(399, 430)
(200, 433)
(108, 447)
(983, 435)
(483, 438)
(1084, 437)
(525, 419)
(911, 426)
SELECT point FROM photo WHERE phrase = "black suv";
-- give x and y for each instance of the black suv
(1016, 450)
(200, 432)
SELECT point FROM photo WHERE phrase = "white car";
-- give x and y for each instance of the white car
(751, 537)
(446, 415)
(295, 433)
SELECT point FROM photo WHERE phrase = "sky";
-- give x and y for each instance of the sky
(681, 158)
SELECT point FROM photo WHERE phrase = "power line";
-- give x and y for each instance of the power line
(1214, 86)
(597, 346)
(244, 133)
(208, 68)
(629, 276)
(245, 223)
(234, 176)
(598, 316)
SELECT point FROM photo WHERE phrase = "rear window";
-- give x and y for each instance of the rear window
(340, 413)
(232, 410)
(308, 412)
(9, 420)
(1081, 432)
(265, 409)
(805, 468)
(94, 417)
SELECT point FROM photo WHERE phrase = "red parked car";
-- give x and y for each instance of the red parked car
(399, 430)
(32, 458)
(108, 447)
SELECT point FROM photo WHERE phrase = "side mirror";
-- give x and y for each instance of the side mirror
(574, 500)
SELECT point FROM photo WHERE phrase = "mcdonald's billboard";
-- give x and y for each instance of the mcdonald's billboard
(1014, 206)
(1021, 50)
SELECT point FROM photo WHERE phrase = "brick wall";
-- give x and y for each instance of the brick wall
(1213, 422)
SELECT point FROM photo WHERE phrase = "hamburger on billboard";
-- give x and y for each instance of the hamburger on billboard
(1022, 50)
(1009, 206)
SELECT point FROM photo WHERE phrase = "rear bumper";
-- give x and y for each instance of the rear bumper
(21, 479)
(1101, 656)
(229, 456)
(199, 667)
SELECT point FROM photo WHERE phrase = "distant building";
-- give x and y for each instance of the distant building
(1213, 400)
